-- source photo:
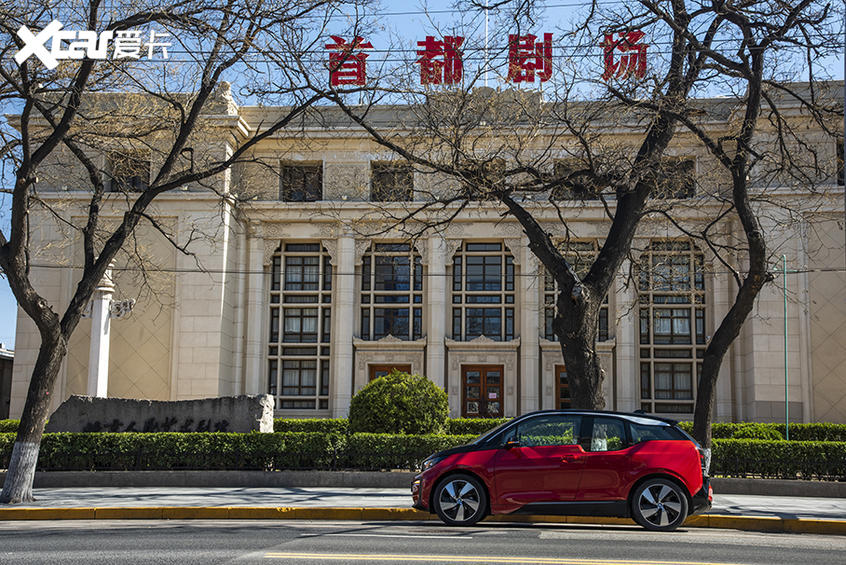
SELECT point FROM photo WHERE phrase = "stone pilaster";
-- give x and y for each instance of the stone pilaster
(628, 368)
(98, 359)
(256, 292)
(436, 309)
(529, 329)
(343, 314)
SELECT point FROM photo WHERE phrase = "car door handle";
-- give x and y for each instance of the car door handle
(570, 457)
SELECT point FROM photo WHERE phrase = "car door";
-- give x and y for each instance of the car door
(542, 462)
(607, 464)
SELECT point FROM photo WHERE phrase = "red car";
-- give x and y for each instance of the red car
(570, 462)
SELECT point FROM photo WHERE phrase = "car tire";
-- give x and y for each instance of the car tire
(659, 505)
(460, 500)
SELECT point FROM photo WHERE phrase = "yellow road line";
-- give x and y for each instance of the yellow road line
(473, 559)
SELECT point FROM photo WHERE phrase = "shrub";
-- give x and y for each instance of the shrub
(779, 459)
(756, 431)
(798, 432)
(9, 426)
(475, 426)
(322, 425)
(312, 450)
(399, 403)
(390, 451)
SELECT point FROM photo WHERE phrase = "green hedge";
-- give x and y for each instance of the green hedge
(9, 426)
(218, 451)
(454, 426)
(311, 450)
(798, 432)
(474, 426)
(321, 425)
(779, 459)
(389, 451)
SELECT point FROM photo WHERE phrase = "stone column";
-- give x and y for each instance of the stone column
(343, 314)
(628, 367)
(436, 303)
(719, 293)
(256, 315)
(98, 358)
(529, 329)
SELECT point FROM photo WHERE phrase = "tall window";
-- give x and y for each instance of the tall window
(391, 292)
(483, 292)
(301, 183)
(127, 171)
(300, 327)
(391, 182)
(580, 254)
(671, 287)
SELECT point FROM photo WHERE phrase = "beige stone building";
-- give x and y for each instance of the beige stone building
(289, 293)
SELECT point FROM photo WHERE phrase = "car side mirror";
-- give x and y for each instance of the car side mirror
(511, 443)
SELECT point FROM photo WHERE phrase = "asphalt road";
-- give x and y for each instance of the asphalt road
(205, 542)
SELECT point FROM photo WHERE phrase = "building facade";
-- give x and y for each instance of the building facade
(7, 361)
(298, 289)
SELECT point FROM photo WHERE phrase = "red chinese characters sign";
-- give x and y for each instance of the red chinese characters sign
(526, 56)
(440, 61)
(632, 61)
(347, 62)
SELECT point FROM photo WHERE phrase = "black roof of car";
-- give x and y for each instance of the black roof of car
(631, 416)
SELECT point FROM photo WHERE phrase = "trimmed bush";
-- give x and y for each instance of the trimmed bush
(475, 426)
(321, 425)
(779, 459)
(399, 403)
(9, 426)
(756, 431)
(798, 432)
(388, 451)
(310, 450)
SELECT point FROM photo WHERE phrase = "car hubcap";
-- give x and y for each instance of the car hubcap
(459, 500)
(660, 505)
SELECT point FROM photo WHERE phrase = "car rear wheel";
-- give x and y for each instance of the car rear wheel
(460, 500)
(659, 505)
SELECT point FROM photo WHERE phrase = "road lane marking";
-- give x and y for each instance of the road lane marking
(343, 534)
(472, 559)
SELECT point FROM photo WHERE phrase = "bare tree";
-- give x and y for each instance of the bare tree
(503, 146)
(149, 123)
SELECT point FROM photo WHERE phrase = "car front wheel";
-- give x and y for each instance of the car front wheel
(460, 500)
(659, 505)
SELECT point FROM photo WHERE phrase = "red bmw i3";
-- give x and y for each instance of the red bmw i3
(570, 462)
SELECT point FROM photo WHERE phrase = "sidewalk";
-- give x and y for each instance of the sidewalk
(767, 513)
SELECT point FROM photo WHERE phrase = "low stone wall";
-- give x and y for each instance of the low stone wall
(222, 414)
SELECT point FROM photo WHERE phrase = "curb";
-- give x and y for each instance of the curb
(749, 523)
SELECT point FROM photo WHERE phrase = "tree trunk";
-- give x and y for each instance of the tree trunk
(724, 336)
(18, 485)
(577, 334)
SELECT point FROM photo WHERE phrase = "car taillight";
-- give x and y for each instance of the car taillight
(704, 460)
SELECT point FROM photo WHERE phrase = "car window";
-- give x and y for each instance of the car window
(553, 429)
(608, 434)
(642, 432)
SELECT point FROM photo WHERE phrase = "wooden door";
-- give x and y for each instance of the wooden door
(562, 387)
(377, 371)
(481, 391)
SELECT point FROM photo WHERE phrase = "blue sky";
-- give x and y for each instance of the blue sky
(401, 25)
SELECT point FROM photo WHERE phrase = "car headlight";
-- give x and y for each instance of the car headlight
(431, 462)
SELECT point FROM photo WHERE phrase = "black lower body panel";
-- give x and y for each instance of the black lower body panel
(610, 508)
